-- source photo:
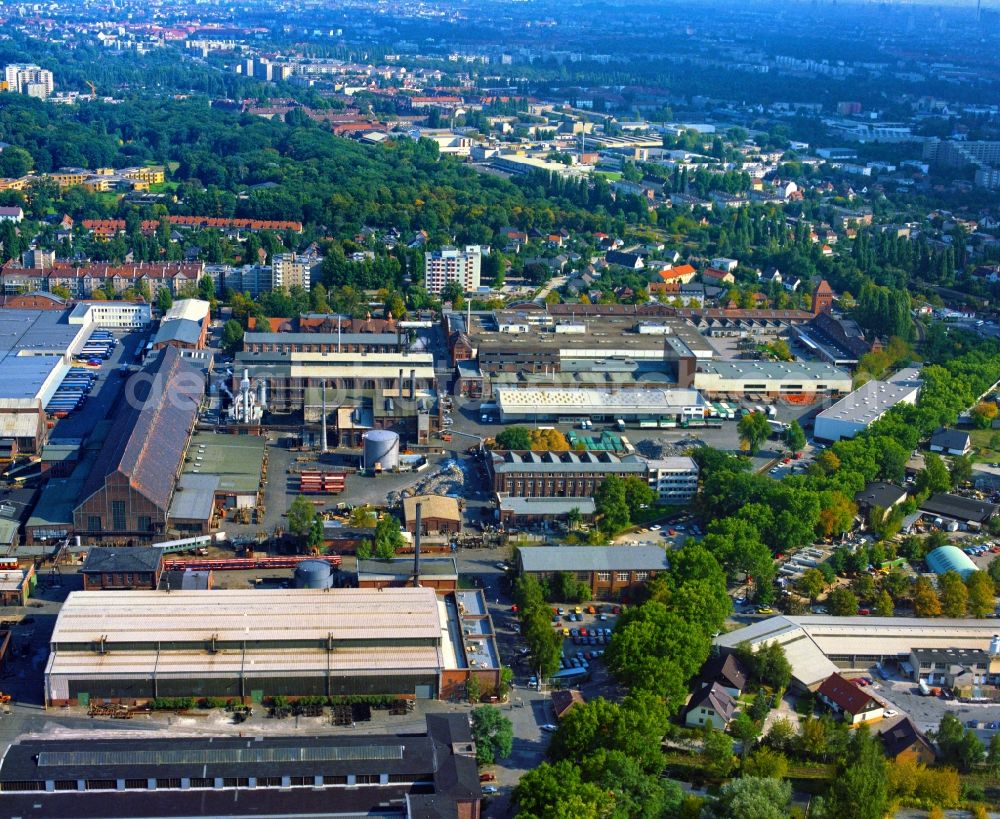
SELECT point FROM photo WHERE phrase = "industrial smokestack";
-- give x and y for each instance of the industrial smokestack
(413, 384)
(416, 547)
(401, 383)
(323, 410)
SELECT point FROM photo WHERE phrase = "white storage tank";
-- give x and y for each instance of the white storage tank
(381, 450)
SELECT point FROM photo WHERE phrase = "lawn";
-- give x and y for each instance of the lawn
(981, 449)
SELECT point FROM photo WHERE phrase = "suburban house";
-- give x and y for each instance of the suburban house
(633, 261)
(902, 740)
(880, 496)
(849, 700)
(950, 441)
(726, 671)
(711, 704)
(564, 699)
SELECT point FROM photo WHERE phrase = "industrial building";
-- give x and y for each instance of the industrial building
(740, 379)
(557, 474)
(122, 567)
(536, 348)
(438, 573)
(569, 405)
(950, 559)
(675, 479)
(868, 403)
(818, 646)
(611, 572)
(128, 492)
(517, 511)
(439, 515)
(221, 475)
(964, 513)
(138, 645)
(119, 315)
(411, 775)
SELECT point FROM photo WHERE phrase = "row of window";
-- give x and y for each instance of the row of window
(174, 783)
(119, 520)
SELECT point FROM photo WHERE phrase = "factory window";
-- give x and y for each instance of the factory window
(136, 784)
(18, 785)
(642, 575)
(366, 779)
(93, 523)
(168, 784)
(145, 523)
(118, 515)
(604, 576)
(66, 784)
(101, 784)
(268, 781)
(621, 577)
(334, 780)
(300, 781)
(583, 576)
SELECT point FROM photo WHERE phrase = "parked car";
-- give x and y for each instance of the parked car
(487, 777)
(549, 728)
(491, 789)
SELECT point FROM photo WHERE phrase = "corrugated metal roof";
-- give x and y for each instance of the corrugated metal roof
(147, 442)
(258, 614)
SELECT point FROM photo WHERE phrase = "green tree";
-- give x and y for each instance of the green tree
(15, 162)
(388, 537)
(765, 762)
(206, 289)
(883, 605)
(316, 538)
(795, 438)
(638, 493)
(718, 754)
(934, 477)
(744, 729)
(751, 797)
(925, 600)
(514, 438)
(960, 470)
(557, 791)
(301, 514)
(842, 602)
(636, 792)
(612, 505)
(981, 593)
(861, 791)
(983, 414)
(164, 300)
(993, 756)
(864, 587)
(232, 335)
(954, 595)
(753, 430)
(959, 745)
(493, 733)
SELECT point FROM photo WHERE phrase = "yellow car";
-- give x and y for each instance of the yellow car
(565, 632)
(578, 610)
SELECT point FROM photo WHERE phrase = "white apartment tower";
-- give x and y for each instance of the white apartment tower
(452, 265)
(30, 79)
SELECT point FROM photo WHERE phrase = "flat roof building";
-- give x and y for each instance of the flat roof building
(772, 378)
(417, 775)
(967, 512)
(517, 511)
(611, 572)
(818, 646)
(552, 403)
(250, 644)
(868, 403)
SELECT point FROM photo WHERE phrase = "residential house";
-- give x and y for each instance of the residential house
(564, 699)
(726, 671)
(849, 700)
(717, 276)
(950, 441)
(633, 261)
(11, 214)
(710, 705)
(880, 497)
(902, 740)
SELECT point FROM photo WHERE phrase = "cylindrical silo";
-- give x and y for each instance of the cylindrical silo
(313, 574)
(381, 450)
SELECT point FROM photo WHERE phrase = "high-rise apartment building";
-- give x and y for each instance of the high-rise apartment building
(30, 79)
(452, 265)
